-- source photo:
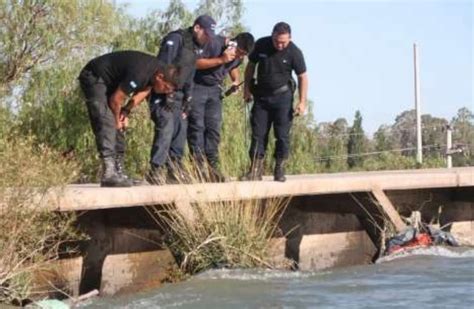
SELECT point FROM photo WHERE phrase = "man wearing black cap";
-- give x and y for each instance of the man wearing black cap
(169, 112)
(107, 82)
(276, 57)
(220, 57)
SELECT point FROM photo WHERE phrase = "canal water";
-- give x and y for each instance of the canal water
(430, 278)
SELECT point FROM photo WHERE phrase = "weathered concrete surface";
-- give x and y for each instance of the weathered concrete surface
(60, 279)
(324, 251)
(388, 209)
(321, 240)
(88, 197)
(133, 272)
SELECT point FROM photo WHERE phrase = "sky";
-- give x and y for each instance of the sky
(359, 54)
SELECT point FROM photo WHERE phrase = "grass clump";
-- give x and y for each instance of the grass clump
(234, 234)
(30, 234)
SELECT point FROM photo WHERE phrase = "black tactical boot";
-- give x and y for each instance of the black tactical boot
(215, 174)
(110, 177)
(120, 166)
(255, 171)
(156, 175)
(279, 172)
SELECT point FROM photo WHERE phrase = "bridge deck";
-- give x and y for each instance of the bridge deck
(91, 196)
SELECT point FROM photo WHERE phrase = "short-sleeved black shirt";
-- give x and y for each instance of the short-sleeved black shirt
(215, 75)
(130, 70)
(274, 67)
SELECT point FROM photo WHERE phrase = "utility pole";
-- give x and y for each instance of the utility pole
(419, 152)
(449, 145)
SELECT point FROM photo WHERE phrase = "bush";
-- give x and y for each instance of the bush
(30, 236)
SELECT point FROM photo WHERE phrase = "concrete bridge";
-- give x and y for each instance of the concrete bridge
(332, 219)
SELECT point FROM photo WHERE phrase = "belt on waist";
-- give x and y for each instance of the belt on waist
(279, 90)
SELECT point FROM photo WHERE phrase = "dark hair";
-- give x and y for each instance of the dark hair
(281, 28)
(245, 41)
(171, 72)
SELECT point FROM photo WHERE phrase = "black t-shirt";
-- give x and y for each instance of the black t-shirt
(130, 70)
(274, 67)
(215, 75)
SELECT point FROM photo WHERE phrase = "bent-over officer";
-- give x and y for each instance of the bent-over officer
(220, 56)
(169, 112)
(274, 57)
(107, 82)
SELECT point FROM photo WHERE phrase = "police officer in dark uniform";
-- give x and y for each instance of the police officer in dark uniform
(169, 112)
(220, 56)
(274, 57)
(107, 82)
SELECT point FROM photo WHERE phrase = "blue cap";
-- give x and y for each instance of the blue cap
(208, 24)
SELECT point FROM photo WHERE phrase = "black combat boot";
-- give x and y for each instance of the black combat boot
(120, 166)
(110, 177)
(279, 172)
(215, 174)
(255, 171)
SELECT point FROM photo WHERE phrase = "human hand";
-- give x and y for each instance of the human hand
(300, 109)
(247, 96)
(186, 107)
(228, 55)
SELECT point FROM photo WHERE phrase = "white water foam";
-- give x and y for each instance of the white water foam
(449, 252)
(255, 274)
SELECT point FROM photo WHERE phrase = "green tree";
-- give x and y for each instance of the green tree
(357, 143)
(463, 137)
(334, 145)
(39, 34)
(382, 138)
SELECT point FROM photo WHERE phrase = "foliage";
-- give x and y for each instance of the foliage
(35, 34)
(232, 234)
(357, 143)
(31, 235)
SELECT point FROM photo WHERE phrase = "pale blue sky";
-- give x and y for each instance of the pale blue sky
(359, 54)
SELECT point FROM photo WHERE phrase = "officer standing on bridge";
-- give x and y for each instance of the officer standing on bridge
(169, 112)
(274, 57)
(220, 57)
(107, 82)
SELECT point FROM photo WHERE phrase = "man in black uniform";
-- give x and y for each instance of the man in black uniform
(109, 80)
(169, 112)
(220, 56)
(276, 57)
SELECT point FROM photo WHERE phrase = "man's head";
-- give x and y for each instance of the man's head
(281, 35)
(166, 78)
(245, 43)
(204, 28)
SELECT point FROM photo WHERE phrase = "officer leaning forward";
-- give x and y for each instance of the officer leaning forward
(274, 57)
(109, 80)
(169, 112)
(220, 56)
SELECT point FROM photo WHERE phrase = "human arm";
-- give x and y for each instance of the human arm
(206, 63)
(133, 102)
(303, 92)
(115, 104)
(248, 76)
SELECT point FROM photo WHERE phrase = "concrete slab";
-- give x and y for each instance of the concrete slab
(90, 196)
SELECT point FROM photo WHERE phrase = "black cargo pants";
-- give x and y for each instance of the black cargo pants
(276, 110)
(110, 141)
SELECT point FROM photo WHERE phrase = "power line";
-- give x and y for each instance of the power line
(365, 154)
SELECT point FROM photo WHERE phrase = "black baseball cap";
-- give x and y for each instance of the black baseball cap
(208, 24)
